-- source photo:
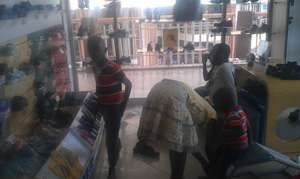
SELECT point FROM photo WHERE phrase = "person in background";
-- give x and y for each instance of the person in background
(159, 53)
(188, 52)
(112, 101)
(158, 47)
(189, 47)
(221, 73)
(149, 47)
(230, 137)
(169, 55)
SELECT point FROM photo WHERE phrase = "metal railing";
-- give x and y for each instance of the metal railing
(164, 59)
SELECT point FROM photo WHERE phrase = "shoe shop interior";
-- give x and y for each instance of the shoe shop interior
(129, 89)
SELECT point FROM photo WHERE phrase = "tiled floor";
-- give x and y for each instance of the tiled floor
(137, 167)
(134, 167)
(144, 79)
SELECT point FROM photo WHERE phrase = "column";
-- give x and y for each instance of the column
(200, 41)
(184, 43)
(193, 39)
(178, 44)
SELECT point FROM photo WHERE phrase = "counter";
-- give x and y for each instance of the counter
(282, 94)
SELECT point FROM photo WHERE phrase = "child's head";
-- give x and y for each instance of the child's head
(224, 99)
(219, 54)
(96, 48)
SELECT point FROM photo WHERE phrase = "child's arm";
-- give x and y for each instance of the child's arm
(128, 86)
(120, 75)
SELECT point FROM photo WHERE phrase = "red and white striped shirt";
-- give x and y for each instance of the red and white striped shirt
(235, 130)
(109, 84)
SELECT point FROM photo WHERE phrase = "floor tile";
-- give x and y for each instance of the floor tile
(131, 166)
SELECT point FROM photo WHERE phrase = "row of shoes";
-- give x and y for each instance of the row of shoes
(121, 33)
(219, 1)
(222, 27)
(91, 103)
(224, 24)
(237, 1)
(22, 9)
(245, 1)
(90, 120)
(255, 29)
(88, 129)
(289, 71)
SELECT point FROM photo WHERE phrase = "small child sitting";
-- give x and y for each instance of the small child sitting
(230, 133)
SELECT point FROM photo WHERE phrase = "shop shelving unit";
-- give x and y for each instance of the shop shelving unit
(33, 22)
(88, 154)
(20, 28)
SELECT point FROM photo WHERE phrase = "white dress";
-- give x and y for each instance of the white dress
(176, 115)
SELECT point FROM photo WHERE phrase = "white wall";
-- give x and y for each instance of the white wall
(293, 40)
(279, 31)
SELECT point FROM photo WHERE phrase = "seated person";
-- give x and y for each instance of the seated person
(228, 139)
(221, 73)
(175, 115)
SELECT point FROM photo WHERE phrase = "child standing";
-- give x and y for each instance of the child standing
(232, 126)
(112, 101)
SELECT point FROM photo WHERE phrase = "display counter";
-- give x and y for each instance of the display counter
(83, 148)
(63, 146)
(281, 94)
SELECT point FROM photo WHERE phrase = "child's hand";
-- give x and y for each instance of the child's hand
(205, 57)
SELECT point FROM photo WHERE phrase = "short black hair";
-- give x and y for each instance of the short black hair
(224, 98)
(96, 46)
(221, 53)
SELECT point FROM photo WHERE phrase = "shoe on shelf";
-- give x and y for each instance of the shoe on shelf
(219, 1)
(224, 24)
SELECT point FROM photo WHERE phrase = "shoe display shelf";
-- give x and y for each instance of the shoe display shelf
(33, 22)
(87, 153)
(18, 83)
